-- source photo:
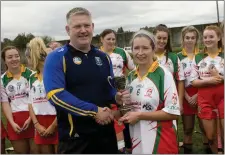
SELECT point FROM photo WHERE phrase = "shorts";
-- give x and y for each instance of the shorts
(19, 118)
(188, 110)
(3, 131)
(211, 102)
(118, 127)
(46, 121)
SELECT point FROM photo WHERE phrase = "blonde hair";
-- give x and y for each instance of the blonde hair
(187, 29)
(37, 52)
(147, 35)
(77, 11)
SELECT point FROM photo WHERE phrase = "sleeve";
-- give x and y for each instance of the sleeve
(194, 72)
(180, 70)
(54, 81)
(4, 96)
(129, 63)
(170, 95)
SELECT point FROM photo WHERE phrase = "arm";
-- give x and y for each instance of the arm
(54, 81)
(180, 88)
(157, 116)
(8, 112)
(199, 83)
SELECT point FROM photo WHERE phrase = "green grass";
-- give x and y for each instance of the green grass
(196, 138)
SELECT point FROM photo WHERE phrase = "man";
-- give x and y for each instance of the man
(77, 81)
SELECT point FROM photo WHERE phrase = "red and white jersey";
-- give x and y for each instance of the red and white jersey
(156, 91)
(17, 90)
(38, 97)
(120, 61)
(203, 63)
(173, 64)
(188, 64)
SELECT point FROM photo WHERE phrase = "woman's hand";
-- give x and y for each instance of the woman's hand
(16, 127)
(26, 124)
(130, 117)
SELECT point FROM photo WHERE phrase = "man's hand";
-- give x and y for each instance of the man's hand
(104, 116)
(123, 97)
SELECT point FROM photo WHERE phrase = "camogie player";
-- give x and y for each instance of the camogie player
(189, 39)
(168, 59)
(121, 61)
(207, 76)
(154, 99)
(42, 112)
(15, 82)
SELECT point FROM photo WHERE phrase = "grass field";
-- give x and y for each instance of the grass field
(197, 138)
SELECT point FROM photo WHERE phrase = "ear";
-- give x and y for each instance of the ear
(67, 29)
(93, 26)
(101, 39)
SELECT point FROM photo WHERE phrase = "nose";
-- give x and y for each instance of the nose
(82, 29)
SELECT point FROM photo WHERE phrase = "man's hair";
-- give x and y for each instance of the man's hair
(77, 10)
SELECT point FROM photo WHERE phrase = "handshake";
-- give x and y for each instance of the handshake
(106, 115)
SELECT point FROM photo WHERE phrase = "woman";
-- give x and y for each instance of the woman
(189, 40)
(4, 98)
(154, 98)
(168, 59)
(42, 113)
(207, 76)
(121, 62)
(15, 82)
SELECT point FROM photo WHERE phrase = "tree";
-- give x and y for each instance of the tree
(120, 30)
(47, 39)
(21, 40)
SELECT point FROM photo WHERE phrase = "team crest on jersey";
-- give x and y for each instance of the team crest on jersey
(184, 65)
(211, 66)
(11, 88)
(77, 60)
(98, 61)
(203, 64)
(174, 99)
(149, 93)
(131, 89)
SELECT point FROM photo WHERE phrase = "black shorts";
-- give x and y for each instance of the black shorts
(106, 144)
(126, 133)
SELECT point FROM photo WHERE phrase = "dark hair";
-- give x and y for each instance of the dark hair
(6, 49)
(107, 31)
(164, 28)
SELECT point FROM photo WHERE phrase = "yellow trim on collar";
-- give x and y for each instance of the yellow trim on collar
(217, 53)
(184, 53)
(151, 69)
(102, 49)
(22, 69)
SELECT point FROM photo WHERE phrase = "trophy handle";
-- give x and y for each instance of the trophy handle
(109, 80)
